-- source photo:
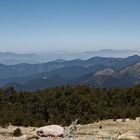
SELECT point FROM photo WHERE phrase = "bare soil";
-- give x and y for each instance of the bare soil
(107, 130)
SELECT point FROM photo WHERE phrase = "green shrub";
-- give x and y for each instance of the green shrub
(17, 132)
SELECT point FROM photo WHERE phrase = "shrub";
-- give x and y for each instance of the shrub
(114, 119)
(17, 132)
(123, 120)
(100, 127)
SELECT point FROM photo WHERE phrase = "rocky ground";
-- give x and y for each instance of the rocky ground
(107, 130)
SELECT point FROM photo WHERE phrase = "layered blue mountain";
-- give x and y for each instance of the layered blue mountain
(14, 58)
(96, 71)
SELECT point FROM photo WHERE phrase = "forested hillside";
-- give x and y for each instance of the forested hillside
(62, 105)
(96, 71)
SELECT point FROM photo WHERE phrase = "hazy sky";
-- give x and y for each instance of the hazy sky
(81, 25)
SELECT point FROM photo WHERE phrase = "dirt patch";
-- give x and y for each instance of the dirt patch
(106, 130)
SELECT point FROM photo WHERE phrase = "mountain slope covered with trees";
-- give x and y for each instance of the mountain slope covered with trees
(62, 105)
(96, 71)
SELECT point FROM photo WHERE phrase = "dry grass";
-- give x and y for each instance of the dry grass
(103, 130)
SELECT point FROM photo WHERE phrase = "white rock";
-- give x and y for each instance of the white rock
(130, 136)
(24, 137)
(50, 131)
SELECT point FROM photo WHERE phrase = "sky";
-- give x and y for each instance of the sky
(39, 26)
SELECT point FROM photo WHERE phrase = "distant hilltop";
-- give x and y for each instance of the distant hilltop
(9, 58)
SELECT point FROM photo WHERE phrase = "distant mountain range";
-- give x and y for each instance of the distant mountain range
(14, 58)
(96, 71)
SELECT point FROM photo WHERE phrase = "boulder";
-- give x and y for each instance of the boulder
(50, 131)
(131, 135)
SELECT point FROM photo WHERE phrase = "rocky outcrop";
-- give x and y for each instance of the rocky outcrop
(50, 131)
(131, 135)
(106, 72)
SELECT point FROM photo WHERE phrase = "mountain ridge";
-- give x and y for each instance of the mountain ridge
(10, 58)
(96, 71)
